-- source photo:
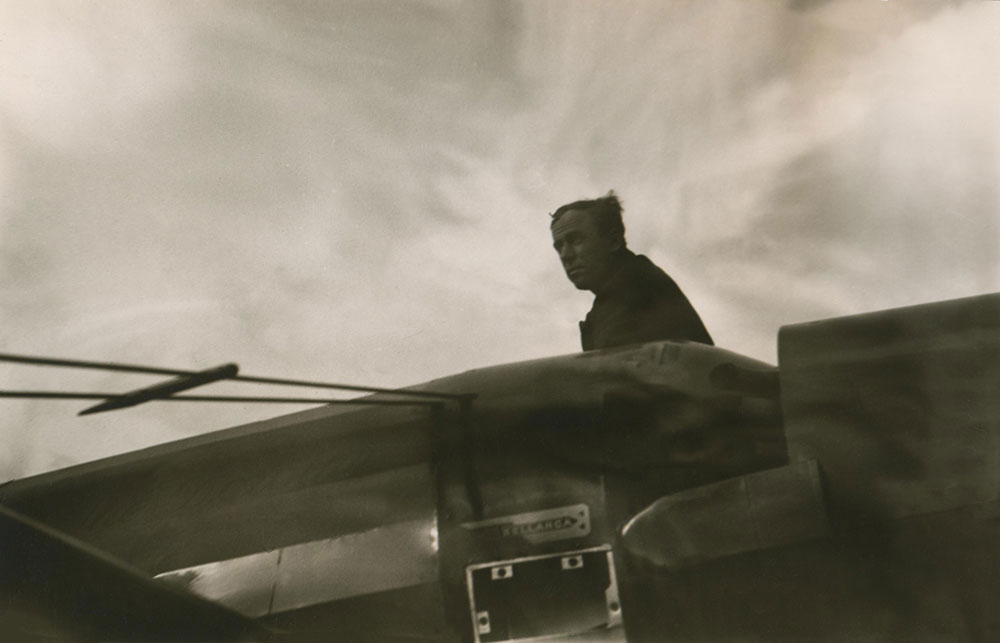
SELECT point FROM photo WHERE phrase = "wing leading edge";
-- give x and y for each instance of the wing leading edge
(58, 586)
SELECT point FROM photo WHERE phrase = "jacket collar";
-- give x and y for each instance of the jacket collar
(619, 277)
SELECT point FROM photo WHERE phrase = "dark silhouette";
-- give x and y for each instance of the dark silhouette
(634, 300)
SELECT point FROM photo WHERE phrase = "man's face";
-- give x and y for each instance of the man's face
(585, 253)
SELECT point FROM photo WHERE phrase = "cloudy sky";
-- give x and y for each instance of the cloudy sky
(358, 191)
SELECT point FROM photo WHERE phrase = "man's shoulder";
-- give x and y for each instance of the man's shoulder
(645, 264)
(647, 273)
(644, 305)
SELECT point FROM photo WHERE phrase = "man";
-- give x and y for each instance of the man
(634, 300)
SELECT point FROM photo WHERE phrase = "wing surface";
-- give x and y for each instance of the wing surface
(58, 587)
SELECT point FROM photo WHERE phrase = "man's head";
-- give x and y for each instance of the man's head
(589, 236)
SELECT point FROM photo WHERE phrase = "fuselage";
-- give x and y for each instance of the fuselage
(662, 492)
(336, 506)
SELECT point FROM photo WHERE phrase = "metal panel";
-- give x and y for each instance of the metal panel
(899, 407)
(384, 558)
(757, 511)
(560, 594)
(241, 491)
(572, 521)
(244, 584)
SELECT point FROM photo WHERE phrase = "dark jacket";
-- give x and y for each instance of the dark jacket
(640, 304)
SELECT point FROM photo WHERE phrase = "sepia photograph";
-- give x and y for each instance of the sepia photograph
(475, 321)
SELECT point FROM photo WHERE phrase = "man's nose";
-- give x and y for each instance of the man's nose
(565, 253)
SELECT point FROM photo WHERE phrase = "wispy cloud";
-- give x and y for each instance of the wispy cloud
(358, 190)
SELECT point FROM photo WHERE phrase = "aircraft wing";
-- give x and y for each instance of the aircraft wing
(851, 493)
(57, 587)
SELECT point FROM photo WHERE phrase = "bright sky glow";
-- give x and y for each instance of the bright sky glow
(358, 190)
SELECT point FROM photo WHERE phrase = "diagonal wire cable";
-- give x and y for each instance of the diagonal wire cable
(69, 395)
(133, 368)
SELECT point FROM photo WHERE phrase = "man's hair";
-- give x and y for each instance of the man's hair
(605, 211)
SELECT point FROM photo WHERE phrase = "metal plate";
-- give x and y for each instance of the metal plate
(544, 596)
(388, 557)
(572, 521)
